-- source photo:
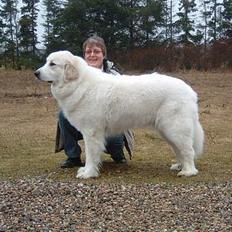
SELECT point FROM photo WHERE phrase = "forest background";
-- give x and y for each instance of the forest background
(164, 35)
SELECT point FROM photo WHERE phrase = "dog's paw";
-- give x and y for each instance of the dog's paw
(81, 170)
(176, 167)
(84, 173)
(188, 173)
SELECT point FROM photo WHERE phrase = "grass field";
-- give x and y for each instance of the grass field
(28, 122)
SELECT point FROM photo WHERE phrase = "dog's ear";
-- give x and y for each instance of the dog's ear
(70, 72)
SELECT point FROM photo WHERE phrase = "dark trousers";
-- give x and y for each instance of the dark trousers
(114, 145)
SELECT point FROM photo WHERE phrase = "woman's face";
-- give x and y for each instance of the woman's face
(94, 56)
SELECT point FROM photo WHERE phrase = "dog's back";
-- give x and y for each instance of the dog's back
(130, 101)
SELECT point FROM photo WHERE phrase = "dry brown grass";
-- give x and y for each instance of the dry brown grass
(28, 121)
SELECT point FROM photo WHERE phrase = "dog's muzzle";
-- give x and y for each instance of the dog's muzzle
(37, 74)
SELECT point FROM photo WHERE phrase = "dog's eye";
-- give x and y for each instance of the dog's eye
(52, 64)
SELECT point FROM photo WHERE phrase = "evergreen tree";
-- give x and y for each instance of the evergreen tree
(74, 25)
(1, 31)
(205, 15)
(52, 25)
(130, 10)
(185, 23)
(227, 19)
(170, 27)
(2, 39)
(107, 19)
(8, 13)
(28, 24)
(152, 22)
(215, 24)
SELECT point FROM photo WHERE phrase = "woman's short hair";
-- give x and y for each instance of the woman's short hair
(95, 41)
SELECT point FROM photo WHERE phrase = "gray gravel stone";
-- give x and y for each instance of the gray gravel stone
(41, 204)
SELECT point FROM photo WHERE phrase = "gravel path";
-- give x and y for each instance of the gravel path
(41, 204)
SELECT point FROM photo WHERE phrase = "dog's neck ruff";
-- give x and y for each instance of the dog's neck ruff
(63, 91)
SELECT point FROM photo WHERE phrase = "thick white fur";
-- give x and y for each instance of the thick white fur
(99, 105)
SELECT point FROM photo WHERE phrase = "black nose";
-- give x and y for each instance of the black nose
(37, 73)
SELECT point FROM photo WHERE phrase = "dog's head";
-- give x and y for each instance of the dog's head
(59, 66)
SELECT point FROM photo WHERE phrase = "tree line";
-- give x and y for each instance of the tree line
(146, 34)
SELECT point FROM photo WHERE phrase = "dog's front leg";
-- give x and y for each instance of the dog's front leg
(93, 148)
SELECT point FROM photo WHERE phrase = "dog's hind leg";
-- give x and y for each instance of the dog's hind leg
(187, 155)
(93, 149)
(185, 158)
(180, 139)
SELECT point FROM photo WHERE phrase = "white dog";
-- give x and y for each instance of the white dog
(100, 105)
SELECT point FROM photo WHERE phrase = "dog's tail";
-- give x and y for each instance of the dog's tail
(198, 140)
